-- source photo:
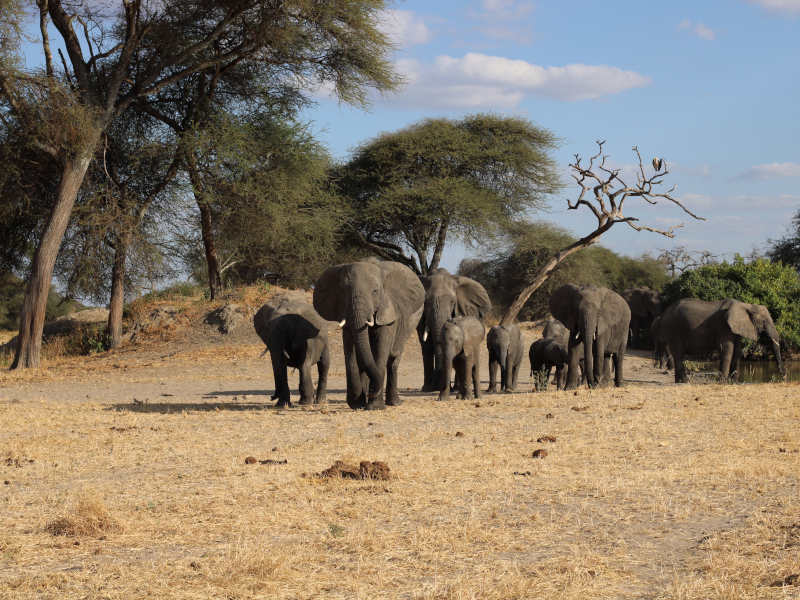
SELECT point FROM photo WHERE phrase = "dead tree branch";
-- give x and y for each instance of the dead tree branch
(604, 192)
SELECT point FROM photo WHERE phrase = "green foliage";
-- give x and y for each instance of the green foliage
(787, 249)
(408, 190)
(12, 293)
(515, 260)
(758, 281)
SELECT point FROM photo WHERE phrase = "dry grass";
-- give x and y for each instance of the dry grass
(654, 491)
(88, 516)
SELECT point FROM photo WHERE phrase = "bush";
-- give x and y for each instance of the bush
(758, 281)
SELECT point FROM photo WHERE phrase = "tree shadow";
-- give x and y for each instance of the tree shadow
(267, 404)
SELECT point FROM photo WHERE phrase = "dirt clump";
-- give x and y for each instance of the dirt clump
(549, 416)
(793, 579)
(540, 453)
(376, 470)
(580, 408)
(459, 434)
(546, 438)
(250, 460)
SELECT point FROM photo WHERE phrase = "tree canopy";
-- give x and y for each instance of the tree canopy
(410, 189)
(787, 248)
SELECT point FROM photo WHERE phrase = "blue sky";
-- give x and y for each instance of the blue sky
(713, 87)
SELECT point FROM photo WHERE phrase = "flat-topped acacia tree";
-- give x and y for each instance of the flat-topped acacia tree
(604, 192)
(125, 52)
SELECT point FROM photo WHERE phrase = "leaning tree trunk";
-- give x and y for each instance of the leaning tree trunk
(544, 273)
(214, 278)
(34, 307)
(117, 302)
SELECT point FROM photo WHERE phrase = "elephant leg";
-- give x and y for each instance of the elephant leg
(322, 383)
(462, 375)
(619, 358)
(476, 375)
(737, 355)
(609, 362)
(429, 381)
(725, 358)
(392, 392)
(493, 367)
(306, 384)
(381, 340)
(572, 369)
(599, 362)
(279, 372)
(681, 376)
(514, 374)
(356, 390)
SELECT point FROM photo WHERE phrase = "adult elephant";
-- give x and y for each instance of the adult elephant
(504, 343)
(446, 296)
(696, 327)
(645, 305)
(378, 304)
(296, 336)
(599, 318)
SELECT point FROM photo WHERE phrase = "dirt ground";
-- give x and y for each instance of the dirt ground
(123, 475)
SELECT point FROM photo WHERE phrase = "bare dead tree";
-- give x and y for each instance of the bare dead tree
(680, 259)
(604, 192)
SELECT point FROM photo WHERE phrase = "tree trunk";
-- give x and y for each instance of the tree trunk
(544, 273)
(34, 307)
(206, 229)
(117, 302)
(441, 238)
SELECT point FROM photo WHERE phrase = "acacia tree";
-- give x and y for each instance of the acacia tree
(120, 54)
(604, 192)
(787, 248)
(411, 189)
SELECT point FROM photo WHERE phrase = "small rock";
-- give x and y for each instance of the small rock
(6, 482)
(540, 453)
(793, 579)
(272, 461)
(549, 416)
(546, 438)
(580, 408)
(477, 405)
(522, 473)
(275, 449)
(459, 434)
(195, 565)
(250, 460)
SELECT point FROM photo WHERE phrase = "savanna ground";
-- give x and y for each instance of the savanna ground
(123, 475)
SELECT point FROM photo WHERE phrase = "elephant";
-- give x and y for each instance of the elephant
(691, 326)
(461, 349)
(645, 305)
(504, 343)
(661, 357)
(446, 296)
(552, 351)
(295, 336)
(599, 318)
(377, 304)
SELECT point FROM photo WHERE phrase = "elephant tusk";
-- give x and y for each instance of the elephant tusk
(286, 354)
(371, 323)
(425, 335)
(342, 323)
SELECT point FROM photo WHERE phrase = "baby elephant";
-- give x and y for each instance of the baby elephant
(547, 353)
(296, 336)
(461, 349)
(505, 351)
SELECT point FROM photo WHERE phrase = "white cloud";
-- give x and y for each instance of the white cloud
(772, 171)
(791, 7)
(699, 29)
(507, 9)
(478, 80)
(404, 28)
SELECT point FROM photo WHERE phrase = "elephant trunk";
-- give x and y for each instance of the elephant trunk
(589, 327)
(436, 315)
(444, 381)
(776, 350)
(504, 367)
(366, 361)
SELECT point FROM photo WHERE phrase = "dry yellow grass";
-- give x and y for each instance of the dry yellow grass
(653, 491)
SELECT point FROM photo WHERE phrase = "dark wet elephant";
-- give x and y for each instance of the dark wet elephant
(295, 336)
(504, 343)
(446, 296)
(598, 317)
(462, 339)
(695, 327)
(378, 304)
(645, 305)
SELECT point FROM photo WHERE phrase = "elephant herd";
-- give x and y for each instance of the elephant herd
(378, 304)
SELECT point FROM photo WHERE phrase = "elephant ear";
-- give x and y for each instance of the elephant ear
(738, 319)
(328, 296)
(403, 293)
(472, 298)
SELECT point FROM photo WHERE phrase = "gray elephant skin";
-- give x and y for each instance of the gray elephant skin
(378, 304)
(295, 336)
(552, 350)
(600, 318)
(446, 296)
(504, 343)
(661, 357)
(696, 327)
(462, 339)
(645, 305)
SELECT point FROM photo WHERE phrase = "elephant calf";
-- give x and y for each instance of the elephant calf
(504, 344)
(461, 349)
(552, 350)
(296, 336)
